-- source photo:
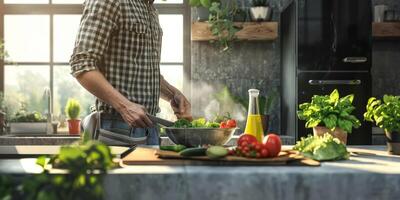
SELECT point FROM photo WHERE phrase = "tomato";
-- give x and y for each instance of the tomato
(273, 144)
(223, 125)
(258, 147)
(264, 153)
(248, 139)
(231, 123)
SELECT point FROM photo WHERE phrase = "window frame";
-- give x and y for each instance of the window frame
(73, 9)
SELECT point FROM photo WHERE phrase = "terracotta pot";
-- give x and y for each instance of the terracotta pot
(74, 126)
(337, 133)
(393, 142)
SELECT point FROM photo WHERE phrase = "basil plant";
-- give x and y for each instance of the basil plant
(385, 114)
(330, 111)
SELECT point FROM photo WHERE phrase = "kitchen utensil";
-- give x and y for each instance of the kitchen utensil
(161, 121)
(193, 137)
(379, 12)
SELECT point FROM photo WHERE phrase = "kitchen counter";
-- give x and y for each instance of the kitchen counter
(369, 174)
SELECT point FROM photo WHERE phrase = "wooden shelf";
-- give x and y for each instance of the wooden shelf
(386, 29)
(256, 31)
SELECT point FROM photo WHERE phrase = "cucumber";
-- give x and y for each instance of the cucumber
(198, 151)
(216, 152)
(176, 148)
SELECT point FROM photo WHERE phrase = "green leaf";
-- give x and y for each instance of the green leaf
(330, 121)
(312, 123)
(346, 125)
(334, 96)
(206, 3)
(194, 3)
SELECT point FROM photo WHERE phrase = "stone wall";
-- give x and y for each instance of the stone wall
(247, 65)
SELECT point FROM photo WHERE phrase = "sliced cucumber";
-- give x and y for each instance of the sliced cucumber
(216, 152)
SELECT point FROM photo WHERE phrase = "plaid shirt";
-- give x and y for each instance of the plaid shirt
(121, 39)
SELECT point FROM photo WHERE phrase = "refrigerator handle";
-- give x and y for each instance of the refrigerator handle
(355, 59)
(334, 82)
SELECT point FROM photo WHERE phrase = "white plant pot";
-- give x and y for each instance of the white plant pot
(28, 127)
(260, 13)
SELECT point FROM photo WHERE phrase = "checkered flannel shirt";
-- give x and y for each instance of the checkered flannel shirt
(121, 39)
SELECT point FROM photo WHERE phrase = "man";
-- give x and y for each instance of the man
(116, 58)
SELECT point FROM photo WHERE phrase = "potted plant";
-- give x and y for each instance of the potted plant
(386, 115)
(27, 122)
(72, 110)
(330, 114)
(201, 8)
(260, 11)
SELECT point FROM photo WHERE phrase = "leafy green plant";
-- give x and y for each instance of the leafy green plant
(25, 116)
(322, 148)
(86, 165)
(259, 3)
(385, 114)
(331, 111)
(73, 109)
(221, 24)
(202, 3)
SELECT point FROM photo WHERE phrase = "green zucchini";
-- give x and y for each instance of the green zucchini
(198, 151)
(176, 148)
(216, 152)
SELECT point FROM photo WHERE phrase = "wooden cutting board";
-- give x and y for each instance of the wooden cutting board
(151, 156)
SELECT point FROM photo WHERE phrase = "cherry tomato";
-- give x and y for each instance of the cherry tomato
(273, 144)
(231, 123)
(258, 155)
(244, 144)
(223, 125)
(264, 153)
(246, 137)
(258, 147)
(246, 149)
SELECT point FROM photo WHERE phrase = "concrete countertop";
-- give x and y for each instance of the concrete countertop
(369, 174)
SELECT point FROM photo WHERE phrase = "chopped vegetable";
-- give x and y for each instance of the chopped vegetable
(322, 148)
(215, 152)
(198, 123)
(182, 123)
(176, 148)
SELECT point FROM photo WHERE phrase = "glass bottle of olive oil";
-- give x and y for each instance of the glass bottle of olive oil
(254, 124)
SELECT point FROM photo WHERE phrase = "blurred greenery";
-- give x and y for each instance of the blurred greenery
(29, 90)
(86, 164)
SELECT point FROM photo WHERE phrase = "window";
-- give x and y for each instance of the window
(39, 37)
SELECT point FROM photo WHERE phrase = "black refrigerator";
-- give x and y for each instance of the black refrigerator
(326, 45)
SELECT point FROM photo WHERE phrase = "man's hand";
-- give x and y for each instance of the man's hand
(181, 107)
(135, 115)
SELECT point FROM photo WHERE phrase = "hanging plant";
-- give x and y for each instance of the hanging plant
(222, 26)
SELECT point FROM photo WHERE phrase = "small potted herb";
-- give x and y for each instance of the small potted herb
(386, 115)
(72, 110)
(260, 11)
(330, 114)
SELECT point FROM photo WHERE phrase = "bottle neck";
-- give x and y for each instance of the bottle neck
(254, 108)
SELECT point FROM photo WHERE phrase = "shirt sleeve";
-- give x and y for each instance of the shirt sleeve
(99, 19)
